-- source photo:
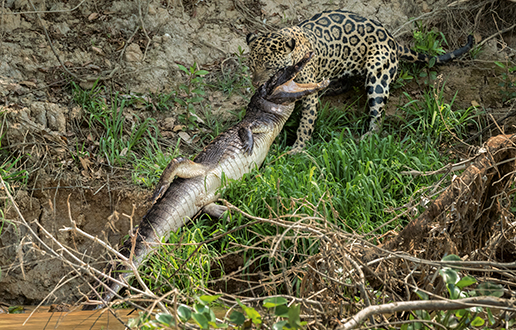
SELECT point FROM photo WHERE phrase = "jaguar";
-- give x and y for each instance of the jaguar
(345, 45)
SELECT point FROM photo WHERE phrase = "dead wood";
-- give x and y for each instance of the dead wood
(467, 210)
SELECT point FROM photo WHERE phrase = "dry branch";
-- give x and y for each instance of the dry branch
(429, 305)
(470, 203)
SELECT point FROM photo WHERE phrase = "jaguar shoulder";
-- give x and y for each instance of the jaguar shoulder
(345, 44)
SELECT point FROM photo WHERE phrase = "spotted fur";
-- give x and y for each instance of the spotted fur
(345, 45)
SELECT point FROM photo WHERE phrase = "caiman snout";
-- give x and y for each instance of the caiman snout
(285, 90)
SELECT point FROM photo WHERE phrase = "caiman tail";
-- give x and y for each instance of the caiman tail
(187, 187)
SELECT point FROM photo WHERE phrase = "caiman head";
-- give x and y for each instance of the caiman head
(281, 88)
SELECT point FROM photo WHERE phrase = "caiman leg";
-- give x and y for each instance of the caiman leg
(183, 168)
(214, 210)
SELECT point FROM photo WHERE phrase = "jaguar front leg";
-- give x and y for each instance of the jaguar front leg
(306, 125)
(180, 167)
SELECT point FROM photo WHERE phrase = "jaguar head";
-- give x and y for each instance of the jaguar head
(269, 53)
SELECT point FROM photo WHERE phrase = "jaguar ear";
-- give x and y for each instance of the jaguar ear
(249, 38)
(291, 44)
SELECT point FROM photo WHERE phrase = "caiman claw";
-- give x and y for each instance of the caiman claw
(246, 136)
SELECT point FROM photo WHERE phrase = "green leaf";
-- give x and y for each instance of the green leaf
(201, 320)
(281, 311)
(477, 322)
(500, 64)
(422, 295)
(199, 91)
(453, 290)
(251, 313)
(133, 323)
(184, 313)
(293, 316)
(202, 72)
(165, 319)
(490, 289)
(182, 68)
(451, 257)
(205, 299)
(181, 102)
(490, 316)
(237, 318)
(201, 308)
(196, 99)
(218, 325)
(275, 301)
(431, 62)
(466, 281)
(449, 275)
(15, 309)
(461, 312)
(210, 315)
(279, 325)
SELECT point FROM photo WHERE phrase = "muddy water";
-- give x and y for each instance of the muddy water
(75, 320)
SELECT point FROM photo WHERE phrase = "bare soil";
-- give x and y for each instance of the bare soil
(135, 46)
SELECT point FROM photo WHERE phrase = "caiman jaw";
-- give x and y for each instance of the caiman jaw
(289, 91)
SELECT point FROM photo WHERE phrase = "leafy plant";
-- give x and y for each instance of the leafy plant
(203, 315)
(233, 78)
(11, 172)
(116, 140)
(428, 42)
(190, 93)
(508, 83)
(457, 289)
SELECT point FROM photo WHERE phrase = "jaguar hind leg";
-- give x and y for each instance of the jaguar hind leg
(377, 90)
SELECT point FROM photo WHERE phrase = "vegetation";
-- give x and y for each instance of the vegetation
(457, 288)
(202, 315)
(426, 41)
(508, 90)
(359, 185)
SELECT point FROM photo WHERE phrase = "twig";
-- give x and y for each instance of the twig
(127, 262)
(45, 11)
(143, 28)
(127, 43)
(51, 292)
(496, 34)
(429, 305)
(446, 169)
(52, 45)
(493, 124)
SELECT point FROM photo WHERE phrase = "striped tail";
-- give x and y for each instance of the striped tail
(409, 55)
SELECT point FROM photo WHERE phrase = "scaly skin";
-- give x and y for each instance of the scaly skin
(187, 187)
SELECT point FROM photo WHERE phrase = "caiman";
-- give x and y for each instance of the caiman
(188, 187)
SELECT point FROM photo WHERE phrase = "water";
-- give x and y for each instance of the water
(74, 320)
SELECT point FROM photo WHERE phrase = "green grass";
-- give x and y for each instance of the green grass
(175, 267)
(356, 185)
